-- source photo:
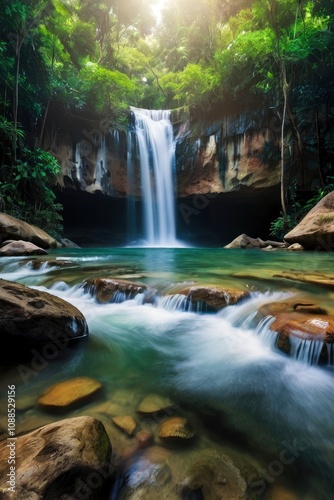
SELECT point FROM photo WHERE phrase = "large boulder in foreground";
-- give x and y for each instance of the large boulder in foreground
(67, 459)
(112, 290)
(15, 229)
(13, 248)
(316, 230)
(29, 317)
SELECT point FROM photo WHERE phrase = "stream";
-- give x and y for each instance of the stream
(271, 413)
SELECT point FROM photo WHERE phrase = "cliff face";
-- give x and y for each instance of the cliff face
(225, 158)
(221, 157)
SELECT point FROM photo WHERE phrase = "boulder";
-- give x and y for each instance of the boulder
(299, 320)
(69, 459)
(244, 241)
(208, 474)
(66, 243)
(175, 429)
(295, 247)
(15, 229)
(69, 394)
(316, 229)
(213, 297)
(125, 423)
(304, 326)
(29, 318)
(107, 289)
(13, 248)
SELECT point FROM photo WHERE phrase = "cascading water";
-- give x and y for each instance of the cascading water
(154, 135)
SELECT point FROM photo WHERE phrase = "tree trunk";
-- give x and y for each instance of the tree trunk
(16, 94)
(285, 97)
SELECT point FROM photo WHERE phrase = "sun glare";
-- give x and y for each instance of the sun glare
(157, 9)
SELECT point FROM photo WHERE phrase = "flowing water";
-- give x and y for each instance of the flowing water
(273, 414)
(154, 134)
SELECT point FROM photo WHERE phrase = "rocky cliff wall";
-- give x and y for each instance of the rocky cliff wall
(220, 157)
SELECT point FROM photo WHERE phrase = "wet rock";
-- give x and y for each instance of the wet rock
(37, 264)
(326, 280)
(304, 326)
(316, 229)
(296, 247)
(209, 473)
(126, 423)
(144, 438)
(66, 243)
(30, 318)
(65, 396)
(244, 241)
(104, 289)
(15, 229)
(153, 403)
(16, 248)
(309, 309)
(175, 429)
(56, 461)
(213, 297)
(278, 492)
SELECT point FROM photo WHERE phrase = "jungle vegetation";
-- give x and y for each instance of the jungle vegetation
(210, 56)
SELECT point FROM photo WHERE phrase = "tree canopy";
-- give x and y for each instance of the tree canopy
(212, 56)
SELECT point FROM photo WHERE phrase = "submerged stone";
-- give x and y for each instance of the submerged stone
(154, 403)
(175, 428)
(209, 475)
(126, 423)
(69, 394)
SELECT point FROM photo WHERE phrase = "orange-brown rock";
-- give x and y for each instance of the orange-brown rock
(69, 394)
(305, 326)
(125, 423)
(175, 428)
(326, 280)
(104, 289)
(154, 403)
(214, 297)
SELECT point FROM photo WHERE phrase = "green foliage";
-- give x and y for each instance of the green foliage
(283, 224)
(109, 90)
(25, 190)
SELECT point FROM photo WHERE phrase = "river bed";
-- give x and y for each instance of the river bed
(271, 414)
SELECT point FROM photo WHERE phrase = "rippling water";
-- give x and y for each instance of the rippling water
(242, 395)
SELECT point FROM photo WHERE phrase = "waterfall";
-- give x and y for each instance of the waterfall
(154, 134)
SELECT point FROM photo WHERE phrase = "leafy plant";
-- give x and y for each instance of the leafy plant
(26, 193)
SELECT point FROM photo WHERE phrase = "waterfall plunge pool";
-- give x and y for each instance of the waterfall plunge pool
(271, 414)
